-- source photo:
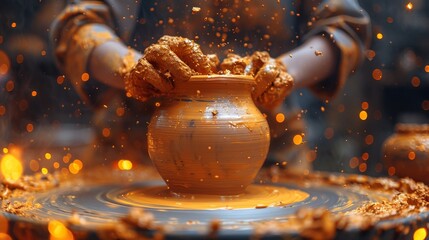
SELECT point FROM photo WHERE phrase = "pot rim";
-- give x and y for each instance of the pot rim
(411, 128)
(223, 78)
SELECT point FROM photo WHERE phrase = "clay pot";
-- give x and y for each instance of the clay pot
(208, 137)
(407, 150)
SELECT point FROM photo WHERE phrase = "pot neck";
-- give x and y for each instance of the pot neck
(215, 85)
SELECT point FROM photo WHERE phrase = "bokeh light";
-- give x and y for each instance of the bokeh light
(297, 139)
(280, 117)
(58, 231)
(125, 165)
(420, 234)
(11, 167)
(363, 115)
(377, 74)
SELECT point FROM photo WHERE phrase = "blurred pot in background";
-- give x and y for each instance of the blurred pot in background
(406, 152)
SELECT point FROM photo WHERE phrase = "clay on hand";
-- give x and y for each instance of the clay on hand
(273, 82)
(170, 59)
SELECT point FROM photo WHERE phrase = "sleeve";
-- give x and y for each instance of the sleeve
(78, 29)
(347, 26)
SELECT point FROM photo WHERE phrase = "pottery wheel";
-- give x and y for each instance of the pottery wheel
(98, 203)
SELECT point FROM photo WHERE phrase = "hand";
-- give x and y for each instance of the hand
(273, 82)
(171, 59)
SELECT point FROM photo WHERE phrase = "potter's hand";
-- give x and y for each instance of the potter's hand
(171, 59)
(273, 82)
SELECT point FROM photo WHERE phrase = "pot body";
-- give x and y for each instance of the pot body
(208, 136)
(407, 150)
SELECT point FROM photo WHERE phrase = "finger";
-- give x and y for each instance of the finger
(143, 81)
(190, 53)
(150, 75)
(214, 62)
(265, 77)
(275, 94)
(255, 62)
(167, 61)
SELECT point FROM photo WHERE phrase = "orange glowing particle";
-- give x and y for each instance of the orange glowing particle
(67, 157)
(377, 74)
(369, 139)
(389, 20)
(362, 167)
(125, 164)
(120, 111)
(48, 156)
(280, 117)
(11, 167)
(5, 150)
(85, 77)
(409, 6)
(354, 162)
(34, 165)
(4, 63)
(391, 171)
(45, 171)
(363, 115)
(365, 156)
(33, 93)
(2, 110)
(297, 139)
(78, 163)
(420, 234)
(60, 79)
(43, 53)
(427, 68)
(56, 165)
(29, 127)
(157, 104)
(365, 105)
(106, 132)
(425, 105)
(415, 81)
(370, 54)
(379, 36)
(13, 25)
(411, 155)
(58, 230)
(10, 85)
(20, 58)
(322, 108)
(74, 168)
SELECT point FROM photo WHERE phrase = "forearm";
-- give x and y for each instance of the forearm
(311, 62)
(110, 60)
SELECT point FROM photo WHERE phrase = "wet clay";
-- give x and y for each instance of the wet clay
(177, 59)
